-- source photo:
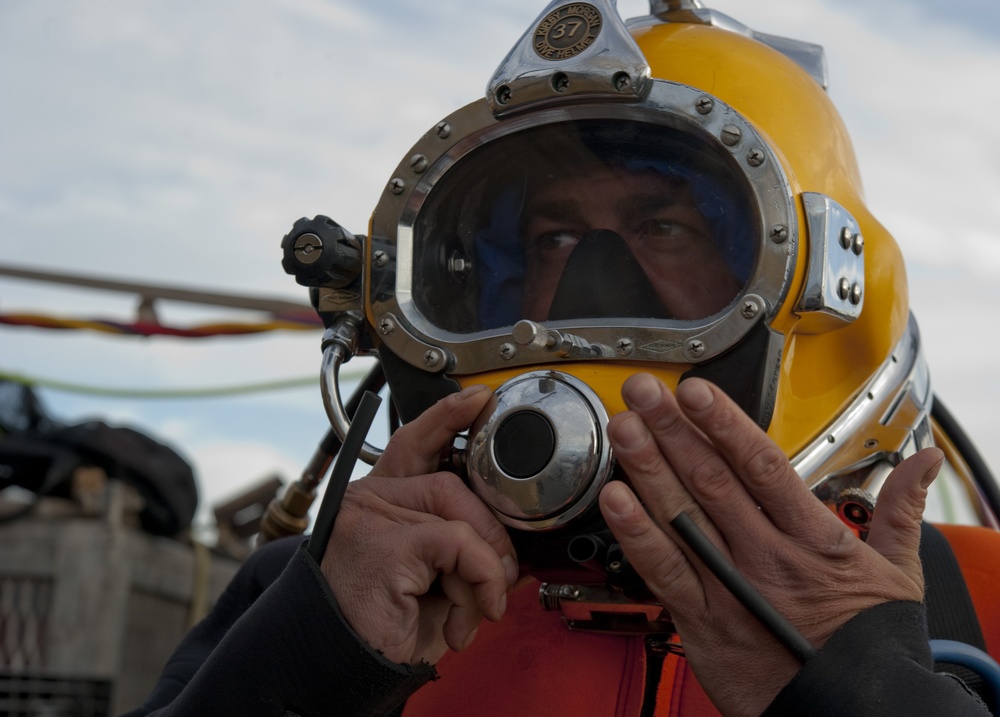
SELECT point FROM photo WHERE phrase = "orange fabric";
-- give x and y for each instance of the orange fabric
(978, 553)
(530, 665)
(679, 692)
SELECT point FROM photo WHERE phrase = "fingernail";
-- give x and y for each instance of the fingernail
(695, 395)
(502, 605)
(470, 391)
(469, 638)
(628, 431)
(642, 391)
(932, 473)
(619, 499)
(510, 568)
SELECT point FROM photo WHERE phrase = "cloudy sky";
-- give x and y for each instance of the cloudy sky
(176, 142)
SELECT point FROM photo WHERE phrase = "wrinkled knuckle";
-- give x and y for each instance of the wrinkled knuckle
(361, 486)
(443, 483)
(668, 569)
(719, 422)
(900, 518)
(461, 532)
(711, 478)
(496, 535)
(642, 462)
(355, 504)
(666, 423)
(842, 545)
(768, 466)
(399, 585)
(912, 510)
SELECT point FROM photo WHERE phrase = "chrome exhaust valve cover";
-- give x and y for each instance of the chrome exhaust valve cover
(539, 453)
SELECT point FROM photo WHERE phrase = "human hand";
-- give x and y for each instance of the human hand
(416, 560)
(700, 453)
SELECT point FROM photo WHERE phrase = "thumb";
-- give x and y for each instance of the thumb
(416, 447)
(895, 527)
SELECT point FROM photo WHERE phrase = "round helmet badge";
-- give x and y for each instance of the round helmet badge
(567, 31)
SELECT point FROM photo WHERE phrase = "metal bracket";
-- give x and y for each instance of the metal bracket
(573, 51)
(588, 608)
(834, 292)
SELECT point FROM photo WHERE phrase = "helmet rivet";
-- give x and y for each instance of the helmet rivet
(380, 258)
(846, 237)
(749, 309)
(779, 233)
(695, 348)
(457, 264)
(755, 157)
(622, 81)
(432, 358)
(731, 135)
(397, 185)
(844, 289)
(623, 346)
(443, 130)
(503, 94)
(859, 245)
(704, 105)
(507, 351)
(386, 326)
(871, 443)
(856, 294)
(418, 163)
(560, 82)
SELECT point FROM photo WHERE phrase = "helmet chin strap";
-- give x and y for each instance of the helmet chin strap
(603, 279)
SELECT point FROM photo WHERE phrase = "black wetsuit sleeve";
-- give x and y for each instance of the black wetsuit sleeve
(277, 645)
(877, 665)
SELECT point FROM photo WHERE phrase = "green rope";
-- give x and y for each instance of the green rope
(68, 387)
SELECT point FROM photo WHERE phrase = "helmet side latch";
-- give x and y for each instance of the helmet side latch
(834, 292)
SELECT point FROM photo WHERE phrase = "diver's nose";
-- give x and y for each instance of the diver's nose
(603, 279)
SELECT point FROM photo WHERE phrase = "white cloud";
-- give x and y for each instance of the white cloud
(227, 470)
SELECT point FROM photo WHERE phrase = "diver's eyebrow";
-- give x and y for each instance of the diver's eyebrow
(558, 210)
(646, 203)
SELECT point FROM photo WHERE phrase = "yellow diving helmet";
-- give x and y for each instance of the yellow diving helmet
(673, 194)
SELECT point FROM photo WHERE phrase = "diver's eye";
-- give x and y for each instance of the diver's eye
(661, 228)
(553, 241)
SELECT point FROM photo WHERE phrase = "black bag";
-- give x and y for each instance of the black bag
(41, 456)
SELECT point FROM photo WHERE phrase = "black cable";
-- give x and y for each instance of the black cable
(981, 473)
(746, 593)
(341, 475)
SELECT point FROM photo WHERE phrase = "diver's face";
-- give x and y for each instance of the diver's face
(657, 218)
